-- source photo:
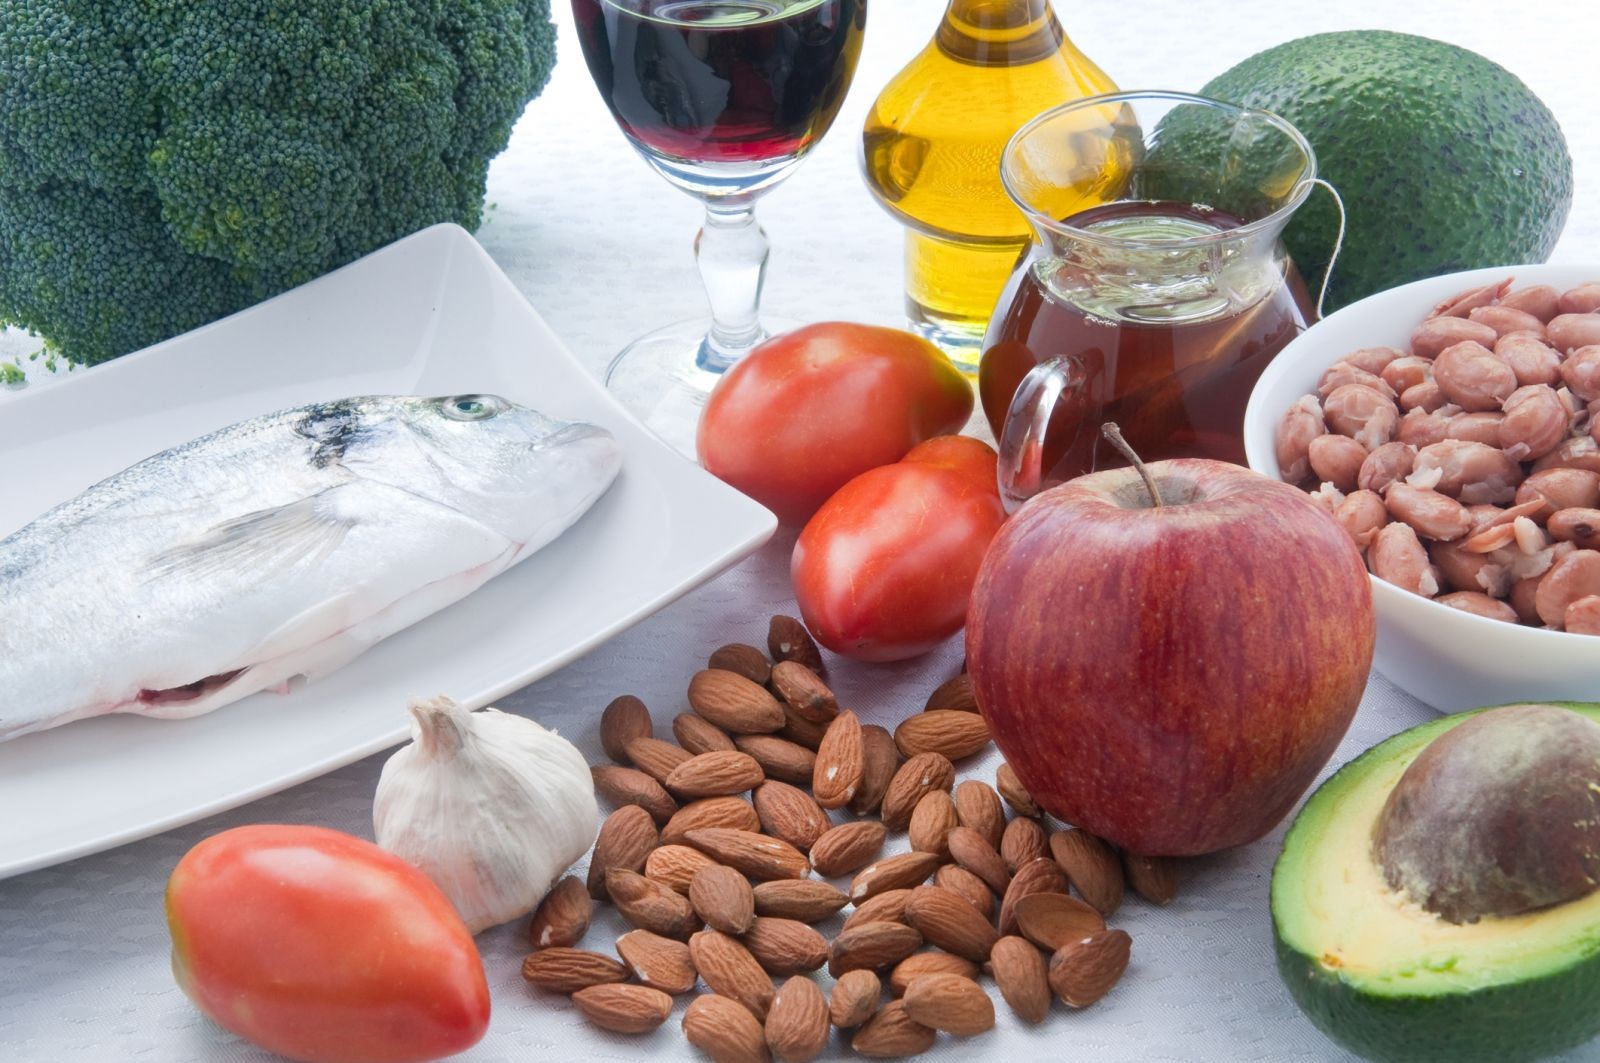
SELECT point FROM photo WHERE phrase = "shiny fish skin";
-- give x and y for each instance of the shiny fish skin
(278, 547)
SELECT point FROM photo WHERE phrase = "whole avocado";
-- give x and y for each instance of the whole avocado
(1445, 160)
(165, 164)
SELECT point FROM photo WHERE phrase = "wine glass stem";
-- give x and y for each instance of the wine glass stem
(731, 251)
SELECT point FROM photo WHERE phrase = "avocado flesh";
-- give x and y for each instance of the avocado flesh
(1392, 981)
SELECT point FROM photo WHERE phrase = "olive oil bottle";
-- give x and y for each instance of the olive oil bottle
(931, 151)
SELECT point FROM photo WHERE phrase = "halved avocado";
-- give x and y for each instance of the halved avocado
(1390, 979)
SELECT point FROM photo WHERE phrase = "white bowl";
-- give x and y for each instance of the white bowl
(1450, 659)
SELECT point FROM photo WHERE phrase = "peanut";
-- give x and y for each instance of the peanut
(1574, 525)
(1432, 514)
(1362, 413)
(1336, 460)
(1390, 462)
(1396, 556)
(1540, 300)
(1568, 332)
(1472, 377)
(1421, 428)
(1301, 424)
(1470, 472)
(1560, 489)
(1407, 372)
(1581, 371)
(1464, 302)
(1535, 423)
(1575, 576)
(1428, 396)
(1362, 514)
(1584, 299)
(1476, 427)
(1479, 605)
(1504, 319)
(1583, 616)
(1437, 333)
(1342, 373)
(1373, 359)
(1532, 361)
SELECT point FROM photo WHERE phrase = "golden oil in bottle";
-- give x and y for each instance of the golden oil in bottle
(931, 152)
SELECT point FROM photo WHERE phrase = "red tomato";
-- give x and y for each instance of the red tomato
(801, 414)
(323, 947)
(885, 568)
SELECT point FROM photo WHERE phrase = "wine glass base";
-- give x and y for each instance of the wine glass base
(659, 379)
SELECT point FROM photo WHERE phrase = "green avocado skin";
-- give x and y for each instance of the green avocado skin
(1529, 1019)
(1523, 1021)
(1445, 161)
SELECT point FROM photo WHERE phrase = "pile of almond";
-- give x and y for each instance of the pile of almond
(720, 890)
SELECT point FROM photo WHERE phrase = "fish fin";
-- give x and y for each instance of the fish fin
(266, 541)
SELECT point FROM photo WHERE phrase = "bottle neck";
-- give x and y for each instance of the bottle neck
(999, 32)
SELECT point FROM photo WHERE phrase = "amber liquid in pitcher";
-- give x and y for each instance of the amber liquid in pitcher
(1177, 385)
(931, 150)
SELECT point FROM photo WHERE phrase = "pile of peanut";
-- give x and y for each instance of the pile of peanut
(1468, 468)
(721, 891)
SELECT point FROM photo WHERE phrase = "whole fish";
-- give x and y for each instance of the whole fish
(282, 546)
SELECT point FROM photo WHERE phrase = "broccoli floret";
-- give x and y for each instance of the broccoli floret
(166, 162)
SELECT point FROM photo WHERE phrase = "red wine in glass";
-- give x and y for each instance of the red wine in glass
(723, 98)
(722, 80)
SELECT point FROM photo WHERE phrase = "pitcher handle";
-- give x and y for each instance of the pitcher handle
(1021, 468)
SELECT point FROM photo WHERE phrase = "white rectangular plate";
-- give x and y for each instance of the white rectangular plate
(430, 315)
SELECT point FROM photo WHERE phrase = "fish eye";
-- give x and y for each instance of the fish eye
(471, 407)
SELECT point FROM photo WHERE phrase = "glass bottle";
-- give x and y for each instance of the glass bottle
(931, 153)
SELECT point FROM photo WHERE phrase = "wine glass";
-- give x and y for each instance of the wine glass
(722, 98)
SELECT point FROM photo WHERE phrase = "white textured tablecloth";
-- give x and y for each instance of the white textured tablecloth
(601, 246)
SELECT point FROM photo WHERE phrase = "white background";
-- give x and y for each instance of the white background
(601, 247)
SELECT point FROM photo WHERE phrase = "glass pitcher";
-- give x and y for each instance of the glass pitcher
(1156, 290)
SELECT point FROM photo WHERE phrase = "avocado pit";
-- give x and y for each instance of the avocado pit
(1497, 817)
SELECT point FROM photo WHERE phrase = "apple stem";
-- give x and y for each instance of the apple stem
(1114, 434)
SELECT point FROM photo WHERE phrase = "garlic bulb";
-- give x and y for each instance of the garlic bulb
(489, 805)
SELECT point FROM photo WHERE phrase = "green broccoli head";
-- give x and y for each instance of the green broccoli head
(166, 162)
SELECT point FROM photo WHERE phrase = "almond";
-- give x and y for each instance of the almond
(847, 847)
(840, 762)
(699, 735)
(788, 640)
(785, 946)
(1053, 920)
(804, 691)
(947, 920)
(972, 851)
(564, 970)
(734, 703)
(723, 898)
(797, 1023)
(855, 998)
(780, 758)
(888, 907)
(1020, 973)
(1091, 866)
(674, 866)
(872, 946)
(625, 719)
(968, 886)
(728, 968)
(1023, 841)
(1015, 794)
(931, 823)
(725, 1030)
(630, 1009)
(979, 807)
(742, 659)
(953, 694)
(719, 774)
(807, 900)
(629, 786)
(920, 775)
(656, 758)
(1083, 971)
(626, 838)
(1155, 878)
(1039, 875)
(879, 759)
(891, 1034)
(562, 918)
(951, 1003)
(947, 731)
(658, 961)
(788, 812)
(754, 854)
(649, 905)
(911, 968)
(892, 873)
(731, 813)
(801, 731)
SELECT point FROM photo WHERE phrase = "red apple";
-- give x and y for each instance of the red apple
(1171, 679)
